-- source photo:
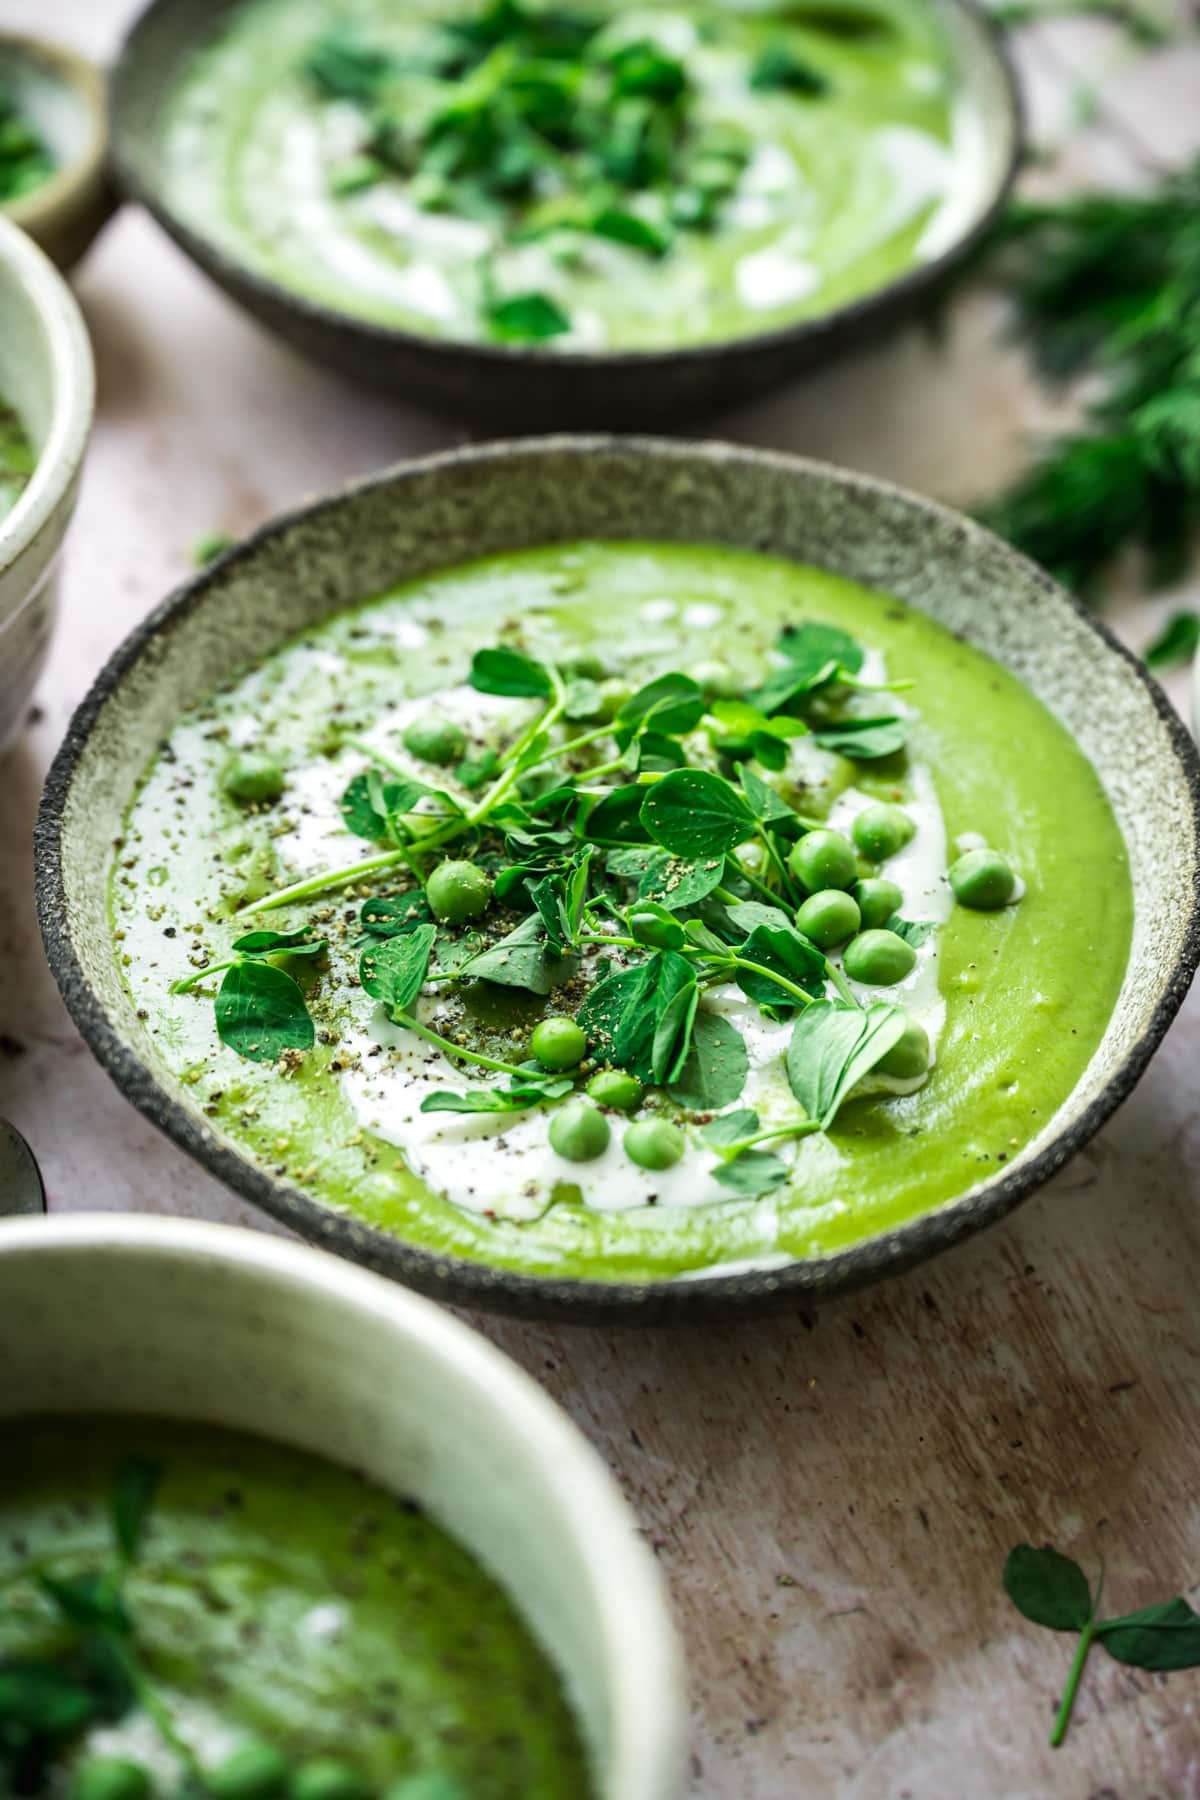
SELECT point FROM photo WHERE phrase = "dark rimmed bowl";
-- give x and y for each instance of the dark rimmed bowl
(476, 502)
(517, 388)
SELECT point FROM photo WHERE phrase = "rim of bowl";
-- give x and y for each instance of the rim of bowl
(483, 1284)
(73, 400)
(909, 284)
(642, 1653)
(88, 82)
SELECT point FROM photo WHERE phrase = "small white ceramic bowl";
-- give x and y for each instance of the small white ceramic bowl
(46, 374)
(108, 1313)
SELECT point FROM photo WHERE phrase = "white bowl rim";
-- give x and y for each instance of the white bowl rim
(73, 400)
(642, 1655)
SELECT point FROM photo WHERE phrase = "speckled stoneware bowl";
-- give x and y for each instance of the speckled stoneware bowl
(66, 97)
(109, 1313)
(520, 388)
(46, 374)
(476, 502)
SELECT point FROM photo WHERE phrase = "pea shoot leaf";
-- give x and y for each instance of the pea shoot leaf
(369, 806)
(261, 1012)
(864, 739)
(782, 949)
(394, 970)
(617, 818)
(770, 808)
(508, 672)
(832, 1047)
(549, 897)
(276, 943)
(716, 1068)
(748, 915)
(812, 646)
(673, 703)
(728, 1129)
(623, 1016)
(694, 813)
(653, 925)
(673, 1034)
(1163, 1637)
(523, 959)
(526, 317)
(914, 931)
(1049, 1588)
(391, 915)
(780, 68)
(752, 1172)
(91, 1601)
(136, 1483)
(43, 1700)
(516, 1097)
(1176, 643)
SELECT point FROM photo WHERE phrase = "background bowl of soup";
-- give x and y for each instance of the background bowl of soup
(46, 399)
(846, 159)
(54, 174)
(204, 1325)
(1075, 702)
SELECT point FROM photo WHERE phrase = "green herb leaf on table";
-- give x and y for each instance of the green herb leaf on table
(261, 1012)
(1049, 1588)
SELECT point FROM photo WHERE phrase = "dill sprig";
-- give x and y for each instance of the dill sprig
(1107, 286)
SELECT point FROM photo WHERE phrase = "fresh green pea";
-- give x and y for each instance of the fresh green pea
(254, 1771)
(558, 1043)
(909, 1055)
(252, 778)
(751, 858)
(458, 891)
(579, 1132)
(829, 917)
(654, 1144)
(613, 1087)
(879, 958)
(327, 1779)
(111, 1778)
(435, 740)
(877, 900)
(613, 694)
(983, 880)
(881, 831)
(823, 859)
(717, 679)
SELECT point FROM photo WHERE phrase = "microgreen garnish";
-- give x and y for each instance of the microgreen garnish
(545, 123)
(25, 158)
(260, 1009)
(1052, 1590)
(1176, 643)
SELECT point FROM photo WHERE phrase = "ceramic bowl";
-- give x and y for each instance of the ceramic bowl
(476, 502)
(46, 374)
(526, 388)
(65, 95)
(104, 1313)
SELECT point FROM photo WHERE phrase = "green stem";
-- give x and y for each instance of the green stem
(155, 1708)
(841, 984)
(802, 1128)
(380, 757)
(321, 884)
(189, 981)
(1086, 1637)
(725, 960)
(449, 1049)
(579, 743)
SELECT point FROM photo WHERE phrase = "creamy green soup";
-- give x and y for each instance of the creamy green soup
(16, 458)
(277, 789)
(643, 177)
(251, 1605)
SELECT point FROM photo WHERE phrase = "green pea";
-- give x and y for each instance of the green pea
(252, 778)
(983, 880)
(435, 740)
(327, 1779)
(458, 891)
(111, 1778)
(828, 918)
(877, 900)
(879, 958)
(254, 1771)
(909, 1055)
(579, 1132)
(882, 831)
(751, 858)
(558, 1043)
(613, 1087)
(823, 859)
(654, 1144)
(717, 679)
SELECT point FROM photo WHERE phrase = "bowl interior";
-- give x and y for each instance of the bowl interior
(473, 503)
(205, 1322)
(39, 82)
(986, 138)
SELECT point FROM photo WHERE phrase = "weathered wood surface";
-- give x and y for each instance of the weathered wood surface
(831, 1498)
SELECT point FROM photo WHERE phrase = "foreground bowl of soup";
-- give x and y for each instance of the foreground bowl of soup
(624, 878)
(551, 216)
(46, 397)
(269, 1524)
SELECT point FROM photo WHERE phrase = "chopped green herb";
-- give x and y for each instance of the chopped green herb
(1176, 643)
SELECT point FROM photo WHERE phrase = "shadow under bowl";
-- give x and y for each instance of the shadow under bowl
(522, 388)
(478, 502)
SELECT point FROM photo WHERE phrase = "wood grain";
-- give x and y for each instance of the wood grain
(832, 1497)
